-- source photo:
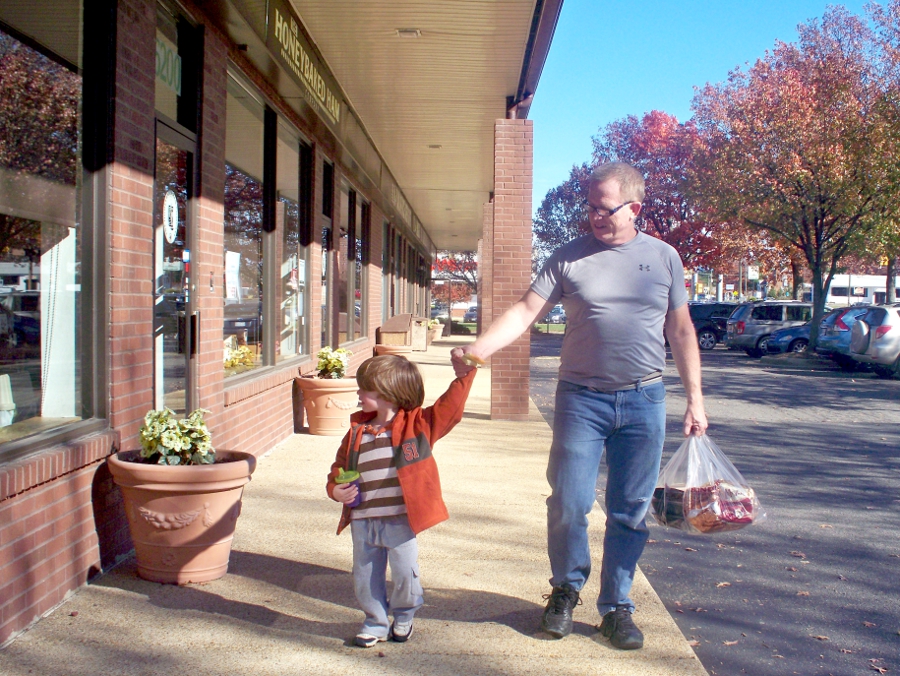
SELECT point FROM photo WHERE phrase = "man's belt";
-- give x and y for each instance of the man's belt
(647, 380)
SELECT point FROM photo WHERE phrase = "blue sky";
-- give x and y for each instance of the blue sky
(614, 58)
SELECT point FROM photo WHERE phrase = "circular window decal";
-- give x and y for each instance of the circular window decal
(170, 216)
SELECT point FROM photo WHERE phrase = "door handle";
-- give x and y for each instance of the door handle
(195, 328)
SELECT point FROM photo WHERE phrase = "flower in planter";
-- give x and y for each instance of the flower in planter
(433, 323)
(168, 441)
(333, 363)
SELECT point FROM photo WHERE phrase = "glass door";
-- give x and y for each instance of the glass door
(174, 324)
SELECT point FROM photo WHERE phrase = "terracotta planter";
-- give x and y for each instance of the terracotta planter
(402, 350)
(182, 517)
(328, 403)
(434, 334)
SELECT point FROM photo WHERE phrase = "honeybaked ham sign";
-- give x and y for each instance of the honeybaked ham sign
(288, 44)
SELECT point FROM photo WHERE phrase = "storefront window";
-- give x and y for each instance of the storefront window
(243, 230)
(40, 227)
(291, 219)
(350, 277)
(327, 212)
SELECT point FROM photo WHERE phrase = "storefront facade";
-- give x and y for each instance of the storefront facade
(189, 210)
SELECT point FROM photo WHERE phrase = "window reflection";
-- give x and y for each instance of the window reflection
(243, 231)
(289, 217)
(40, 242)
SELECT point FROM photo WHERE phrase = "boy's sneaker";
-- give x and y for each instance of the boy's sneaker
(367, 640)
(557, 619)
(620, 629)
(401, 632)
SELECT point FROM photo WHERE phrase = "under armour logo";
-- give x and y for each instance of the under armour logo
(644, 267)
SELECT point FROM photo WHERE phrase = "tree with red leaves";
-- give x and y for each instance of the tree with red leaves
(792, 146)
(662, 149)
(454, 273)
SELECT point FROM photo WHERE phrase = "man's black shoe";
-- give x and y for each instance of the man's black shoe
(557, 620)
(620, 629)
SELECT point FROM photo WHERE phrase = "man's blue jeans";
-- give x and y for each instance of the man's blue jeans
(630, 425)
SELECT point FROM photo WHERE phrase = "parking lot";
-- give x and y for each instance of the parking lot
(813, 589)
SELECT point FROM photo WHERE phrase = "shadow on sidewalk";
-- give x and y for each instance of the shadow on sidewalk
(321, 584)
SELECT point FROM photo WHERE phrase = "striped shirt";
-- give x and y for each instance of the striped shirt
(378, 482)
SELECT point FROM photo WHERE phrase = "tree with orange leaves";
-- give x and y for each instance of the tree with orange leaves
(792, 146)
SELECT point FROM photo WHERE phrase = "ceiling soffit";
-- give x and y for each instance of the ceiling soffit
(429, 102)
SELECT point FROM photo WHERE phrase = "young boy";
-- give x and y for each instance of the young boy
(389, 443)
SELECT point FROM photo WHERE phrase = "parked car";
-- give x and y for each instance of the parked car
(20, 317)
(834, 335)
(875, 340)
(557, 315)
(471, 314)
(792, 339)
(439, 312)
(751, 324)
(710, 322)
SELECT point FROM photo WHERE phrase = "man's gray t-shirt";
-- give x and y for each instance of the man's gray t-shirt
(616, 299)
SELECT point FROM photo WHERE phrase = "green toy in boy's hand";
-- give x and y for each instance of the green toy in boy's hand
(349, 477)
(346, 477)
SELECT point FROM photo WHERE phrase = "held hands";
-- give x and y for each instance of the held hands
(345, 493)
(464, 360)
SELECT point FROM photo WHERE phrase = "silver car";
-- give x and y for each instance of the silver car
(875, 340)
(749, 326)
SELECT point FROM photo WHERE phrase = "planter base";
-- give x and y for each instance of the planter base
(328, 404)
(182, 518)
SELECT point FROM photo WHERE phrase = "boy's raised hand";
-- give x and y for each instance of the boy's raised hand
(345, 493)
(463, 361)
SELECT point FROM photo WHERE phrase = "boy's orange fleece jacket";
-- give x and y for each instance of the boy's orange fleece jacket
(413, 433)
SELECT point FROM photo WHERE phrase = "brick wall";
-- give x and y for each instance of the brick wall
(130, 223)
(485, 270)
(61, 520)
(511, 261)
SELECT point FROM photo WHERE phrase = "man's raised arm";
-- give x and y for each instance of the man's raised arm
(511, 324)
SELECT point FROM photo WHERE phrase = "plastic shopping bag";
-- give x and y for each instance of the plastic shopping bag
(700, 491)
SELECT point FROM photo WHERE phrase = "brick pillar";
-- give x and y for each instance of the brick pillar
(485, 268)
(510, 253)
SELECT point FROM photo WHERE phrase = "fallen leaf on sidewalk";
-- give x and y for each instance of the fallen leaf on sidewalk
(869, 624)
(724, 584)
(802, 593)
(799, 555)
(730, 642)
(820, 638)
(693, 644)
(689, 549)
(826, 525)
(846, 651)
(792, 569)
(875, 667)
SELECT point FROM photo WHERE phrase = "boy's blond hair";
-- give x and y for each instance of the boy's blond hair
(394, 378)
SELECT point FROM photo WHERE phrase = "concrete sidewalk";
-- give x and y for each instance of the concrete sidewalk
(286, 605)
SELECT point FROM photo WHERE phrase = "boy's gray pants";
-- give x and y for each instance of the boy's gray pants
(377, 543)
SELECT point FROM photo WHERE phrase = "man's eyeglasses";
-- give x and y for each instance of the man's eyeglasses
(597, 211)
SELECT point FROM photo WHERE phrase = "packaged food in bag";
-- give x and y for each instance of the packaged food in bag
(701, 491)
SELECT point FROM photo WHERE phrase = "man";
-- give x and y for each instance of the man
(619, 288)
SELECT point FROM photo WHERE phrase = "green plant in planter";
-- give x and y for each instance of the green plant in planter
(433, 323)
(333, 363)
(168, 441)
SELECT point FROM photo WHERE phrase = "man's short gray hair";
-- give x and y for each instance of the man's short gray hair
(630, 180)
